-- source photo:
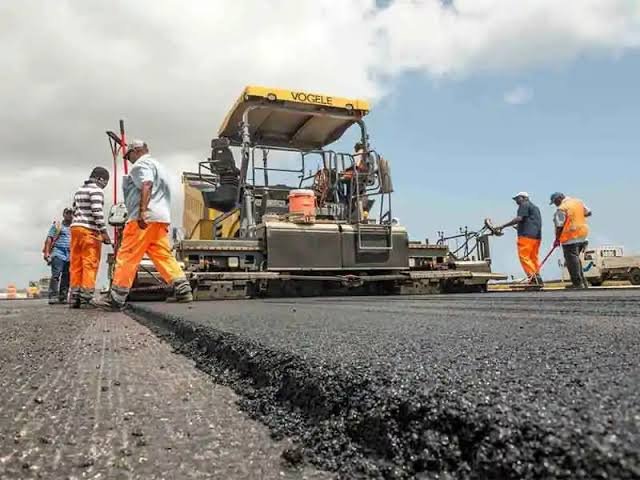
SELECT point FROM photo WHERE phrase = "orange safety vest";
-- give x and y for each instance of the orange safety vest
(575, 224)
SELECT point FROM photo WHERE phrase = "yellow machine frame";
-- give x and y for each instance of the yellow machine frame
(290, 118)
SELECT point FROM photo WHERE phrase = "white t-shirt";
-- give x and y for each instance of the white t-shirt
(147, 169)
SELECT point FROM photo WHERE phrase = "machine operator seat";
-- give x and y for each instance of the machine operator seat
(224, 197)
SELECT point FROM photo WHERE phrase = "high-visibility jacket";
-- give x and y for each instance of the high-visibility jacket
(575, 224)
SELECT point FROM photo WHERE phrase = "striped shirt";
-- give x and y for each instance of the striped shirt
(88, 207)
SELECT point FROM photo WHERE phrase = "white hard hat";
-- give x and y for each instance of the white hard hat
(521, 194)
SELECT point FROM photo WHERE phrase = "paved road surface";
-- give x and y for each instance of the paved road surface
(542, 385)
(90, 395)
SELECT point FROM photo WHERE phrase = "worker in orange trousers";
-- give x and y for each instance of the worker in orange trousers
(137, 241)
(88, 233)
(529, 225)
(147, 196)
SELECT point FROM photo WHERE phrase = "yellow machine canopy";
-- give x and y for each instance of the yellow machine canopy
(294, 119)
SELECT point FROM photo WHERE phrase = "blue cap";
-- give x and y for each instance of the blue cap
(555, 196)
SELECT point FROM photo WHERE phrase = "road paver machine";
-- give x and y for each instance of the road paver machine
(293, 217)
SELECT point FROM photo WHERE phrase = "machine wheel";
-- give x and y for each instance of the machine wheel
(634, 276)
(595, 282)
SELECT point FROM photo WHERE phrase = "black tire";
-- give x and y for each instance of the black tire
(595, 282)
(634, 276)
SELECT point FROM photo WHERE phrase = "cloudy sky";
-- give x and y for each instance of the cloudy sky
(473, 100)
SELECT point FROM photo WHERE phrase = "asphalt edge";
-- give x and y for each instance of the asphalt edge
(321, 402)
(268, 382)
(345, 427)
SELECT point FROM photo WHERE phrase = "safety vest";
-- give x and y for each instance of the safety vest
(575, 224)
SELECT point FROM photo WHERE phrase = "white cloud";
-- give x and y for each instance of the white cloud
(518, 96)
(476, 35)
(172, 69)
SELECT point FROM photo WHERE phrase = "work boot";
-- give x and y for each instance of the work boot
(182, 291)
(83, 303)
(53, 301)
(74, 302)
(74, 298)
(106, 303)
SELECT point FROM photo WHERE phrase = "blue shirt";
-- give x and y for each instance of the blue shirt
(147, 169)
(531, 224)
(62, 246)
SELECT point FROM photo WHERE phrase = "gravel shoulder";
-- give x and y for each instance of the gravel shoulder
(92, 395)
(542, 385)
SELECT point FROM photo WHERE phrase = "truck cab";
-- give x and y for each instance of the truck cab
(608, 262)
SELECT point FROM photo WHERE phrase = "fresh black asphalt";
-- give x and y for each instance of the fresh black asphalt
(521, 385)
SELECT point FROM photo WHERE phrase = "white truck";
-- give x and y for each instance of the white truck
(608, 263)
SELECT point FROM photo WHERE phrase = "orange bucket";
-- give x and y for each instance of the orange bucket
(302, 202)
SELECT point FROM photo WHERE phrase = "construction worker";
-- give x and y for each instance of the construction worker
(88, 233)
(57, 254)
(148, 200)
(529, 225)
(359, 162)
(360, 165)
(572, 231)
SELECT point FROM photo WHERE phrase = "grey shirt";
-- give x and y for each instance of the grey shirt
(531, 224)
(147, 169)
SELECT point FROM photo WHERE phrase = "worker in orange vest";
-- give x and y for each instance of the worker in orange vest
(572, 231)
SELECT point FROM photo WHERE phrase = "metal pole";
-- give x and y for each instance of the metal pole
(114, 150)
(246, 141)
(247, 220)
(264, 164)
(123, 147)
